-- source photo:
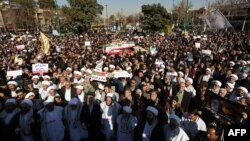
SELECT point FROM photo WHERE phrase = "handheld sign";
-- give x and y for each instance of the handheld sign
(121, 74)
(87, 43)
(206, 52)
(40, 68)
(197, 45)
(98, 76)
(20, 47)
(14, 73)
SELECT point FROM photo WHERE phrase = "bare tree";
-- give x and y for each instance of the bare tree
(112, 18)
(130, 19)
(180, 10)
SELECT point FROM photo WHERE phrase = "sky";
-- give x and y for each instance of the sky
(132, 6)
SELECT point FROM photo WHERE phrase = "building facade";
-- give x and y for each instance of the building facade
(41, 19)
(238, 15)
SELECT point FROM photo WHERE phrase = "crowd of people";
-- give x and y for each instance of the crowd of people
(166, 97)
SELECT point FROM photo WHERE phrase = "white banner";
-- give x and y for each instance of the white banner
(40, 68)
(14, 73)
(206, 52)
(20, 47)
(121, 74)
(117, 46)
(99, 65)
(216, 20)
(153, 50)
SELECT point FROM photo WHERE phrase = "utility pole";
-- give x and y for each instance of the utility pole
(138, 12)
(186, 17)
(106, 6)
(172, 17)
(58, 19)
(122, 19)
(104, 20)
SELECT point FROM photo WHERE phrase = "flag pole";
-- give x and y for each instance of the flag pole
(243, 26)
(58, 18)
(186, 17)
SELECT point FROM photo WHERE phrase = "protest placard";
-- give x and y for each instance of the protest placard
(20, 47)
(14, 73)
(197, 45)
(206, 52)
(40, 68)
(87, 43)
(98, 76)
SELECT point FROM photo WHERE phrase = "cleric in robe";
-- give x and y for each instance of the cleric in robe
(9, 121)
(151, 130)
(126, 124)
(110, 110)
(173, 131)
(77, 131)
(52, 127)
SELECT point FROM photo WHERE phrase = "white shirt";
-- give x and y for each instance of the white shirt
(201, 124)
(37, 86)
(78, 81)
(193, 127)
(130, 75)
(60, 86)
(81, 97)
(13, 94)
(98, 95)
(172, 75)
(109, 116)
(177, 134)
(107, 121)
(206, 78)
(43, 93)
(191, 89)
(67, 95)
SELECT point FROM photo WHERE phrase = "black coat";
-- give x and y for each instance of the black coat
(63, 90)
(187, 97)
(92, 121)
(165, 91)
(156, 135)
(7, 132)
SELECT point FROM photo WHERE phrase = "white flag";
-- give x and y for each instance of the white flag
(216, 20)
(99, 65)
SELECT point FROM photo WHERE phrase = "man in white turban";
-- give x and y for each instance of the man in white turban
(151, 130)
(110, 110)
